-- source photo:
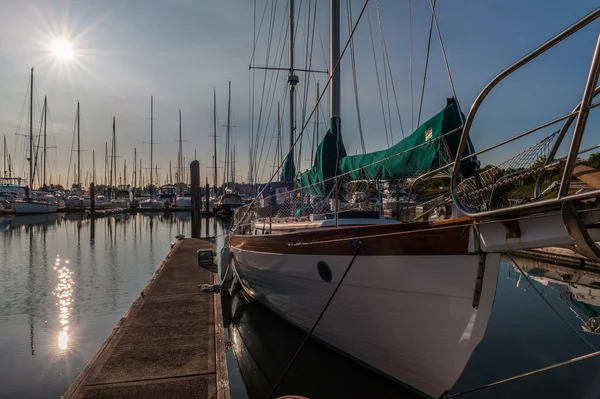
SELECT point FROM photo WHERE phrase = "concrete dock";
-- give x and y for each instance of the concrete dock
(170, 343)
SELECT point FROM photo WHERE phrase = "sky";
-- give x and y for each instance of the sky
(179, 51)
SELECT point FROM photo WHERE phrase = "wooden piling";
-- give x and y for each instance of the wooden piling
(196, 198)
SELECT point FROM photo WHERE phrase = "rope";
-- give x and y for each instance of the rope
(359, 246)
(549, 305)
(412, 96)
(557, 365)
(364, 7)
(426, 66)
(387, 58)
(386, 70)
(353, 62)
(437, 27)
(378, 80)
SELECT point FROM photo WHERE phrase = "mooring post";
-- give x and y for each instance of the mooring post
(92, 197)
(196, 198)
(207, 193)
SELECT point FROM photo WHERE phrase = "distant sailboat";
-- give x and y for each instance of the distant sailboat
(35, 202)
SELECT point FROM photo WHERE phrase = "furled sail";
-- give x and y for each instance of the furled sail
(329, 154)
(424, 150)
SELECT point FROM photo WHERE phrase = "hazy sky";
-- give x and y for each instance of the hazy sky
(180, 50)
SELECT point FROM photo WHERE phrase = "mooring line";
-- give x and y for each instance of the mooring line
(359, 246)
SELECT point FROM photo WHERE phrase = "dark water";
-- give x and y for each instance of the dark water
(54, 315)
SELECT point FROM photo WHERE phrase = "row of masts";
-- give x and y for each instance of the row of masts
(112, 175)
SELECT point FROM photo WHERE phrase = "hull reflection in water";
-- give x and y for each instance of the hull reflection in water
(580, 290)
(264, 344)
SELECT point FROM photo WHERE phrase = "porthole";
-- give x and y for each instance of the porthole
(324, 271)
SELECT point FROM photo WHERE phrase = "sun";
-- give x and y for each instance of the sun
(62, 49)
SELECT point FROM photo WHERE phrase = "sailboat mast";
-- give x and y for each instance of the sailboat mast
(215, 136)
(30, 133)
(105, 163)
(44, 163)
(334, 55)
(292, 81)
(279, 150)
(94, 166)
(4, 157)
(151, 135)
(78, 151)
(134, 168)
(227, 138)
(179, 158)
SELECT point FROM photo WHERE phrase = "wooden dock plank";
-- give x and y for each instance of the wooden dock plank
(166, 344)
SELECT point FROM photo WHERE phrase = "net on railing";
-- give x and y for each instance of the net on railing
(403, 199)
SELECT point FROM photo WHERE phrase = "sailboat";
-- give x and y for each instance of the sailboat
(182, 200)
(35, 202)
(411, 298)
(151, 203)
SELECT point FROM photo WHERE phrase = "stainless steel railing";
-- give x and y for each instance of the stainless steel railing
(580, 115)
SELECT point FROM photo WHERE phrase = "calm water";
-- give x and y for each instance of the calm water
(65, 283)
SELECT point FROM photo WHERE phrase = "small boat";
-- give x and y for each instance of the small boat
(37, 203)
(183, 201)
(228, 204)
(151, 203)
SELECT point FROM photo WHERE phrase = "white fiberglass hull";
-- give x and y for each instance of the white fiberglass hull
(410, 317)
(24, 208)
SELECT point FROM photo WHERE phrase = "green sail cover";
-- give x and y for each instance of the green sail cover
(288, 172)
(329, 153)
(399, 161)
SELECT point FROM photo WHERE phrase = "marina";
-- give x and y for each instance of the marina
(319, 199)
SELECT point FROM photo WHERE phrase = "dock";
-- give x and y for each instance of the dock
(170, 343)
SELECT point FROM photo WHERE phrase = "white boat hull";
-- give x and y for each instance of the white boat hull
(410, 317)
(24, 208)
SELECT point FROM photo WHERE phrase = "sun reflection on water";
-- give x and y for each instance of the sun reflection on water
(64, 294)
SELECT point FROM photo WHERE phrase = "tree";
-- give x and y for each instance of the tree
(593, 161)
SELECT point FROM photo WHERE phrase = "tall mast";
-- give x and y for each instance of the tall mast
(316, 130)
(44, 164)
(151, 135)
(112, 158)
(114, 154)
(334, 55)
(31, 133)
(94, 166)
(215, 136)
(292, 81)
(4, 158)
(105, 163)
(124, 171)
(279, 150)
(170, 173)
(179, 158)
(227, 137)
(141, 175)
(78, 151)
(134, 168)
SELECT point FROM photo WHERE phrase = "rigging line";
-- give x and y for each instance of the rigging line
(279, 47)
(358, 245)
(412, 96)
(527, 374)
(342, 53)
(252, 59)
(426, 66)
(387, 58)
(549, 305)
(284, 100)
(71, 150)
(378, 80)
(385, 72)
(309, 56)
(353, 62)
(437, 28)
(268, 54)
(271, 94)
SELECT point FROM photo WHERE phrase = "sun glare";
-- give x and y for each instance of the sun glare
(62, 49)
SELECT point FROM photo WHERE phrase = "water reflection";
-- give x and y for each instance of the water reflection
(264, 344)
(580, 290)
(54, 315)
(64, 295)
